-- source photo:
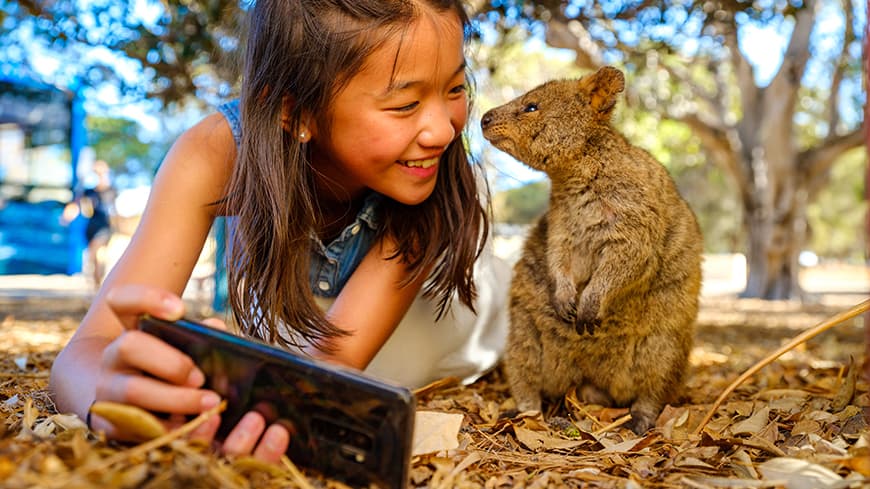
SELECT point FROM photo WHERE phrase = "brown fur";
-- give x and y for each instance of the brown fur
(605, 295)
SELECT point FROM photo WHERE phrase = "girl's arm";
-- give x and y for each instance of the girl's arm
(149, 277)
(371, 305)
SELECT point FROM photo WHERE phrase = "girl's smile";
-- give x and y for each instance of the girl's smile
(424, 169)
(421, 163)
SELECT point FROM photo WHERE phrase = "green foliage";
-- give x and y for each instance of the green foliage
(836, 218)
(709, 191)
(118, 142)
(186, 49)
(522, 205)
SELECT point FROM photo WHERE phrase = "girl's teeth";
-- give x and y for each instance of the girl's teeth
(422, 163)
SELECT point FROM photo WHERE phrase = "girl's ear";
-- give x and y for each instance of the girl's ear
(304, 130)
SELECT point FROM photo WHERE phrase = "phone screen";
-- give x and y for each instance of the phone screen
(342, 423)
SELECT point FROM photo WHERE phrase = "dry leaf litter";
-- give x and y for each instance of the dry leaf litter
(801, 422)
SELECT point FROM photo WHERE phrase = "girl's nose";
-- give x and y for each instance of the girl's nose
(438, 130)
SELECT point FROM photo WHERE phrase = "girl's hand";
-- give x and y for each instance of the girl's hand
(243, 439)
(246, 439)
(142, 370)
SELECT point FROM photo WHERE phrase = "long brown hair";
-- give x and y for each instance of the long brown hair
(306, 51)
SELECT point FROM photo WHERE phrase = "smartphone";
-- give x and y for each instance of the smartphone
(342, 423)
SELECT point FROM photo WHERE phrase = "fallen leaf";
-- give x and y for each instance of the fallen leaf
(847, 388)
(795, 473)
(21, 362)
(741, 462)
(742, 408)
(769, 433)
(806, 426)
(692, 462)
(539, 440)
(720, 482)
(860, 464)
(623, 446)
(435, 432)
(752, 424)
(787, 405)
(11, 402)
(134, 420)
(772, 394)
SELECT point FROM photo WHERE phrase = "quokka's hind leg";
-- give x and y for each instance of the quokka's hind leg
(644, 412)
(522, 361)
(661, 367)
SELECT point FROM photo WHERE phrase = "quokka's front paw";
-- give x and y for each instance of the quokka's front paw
(564, 301)
(586, 326)
(587, 319)
(566, 311)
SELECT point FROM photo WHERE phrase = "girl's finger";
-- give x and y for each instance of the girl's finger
(154, 395)
(136, 350)
(132, 300)
(206, 431)
(243, 438)
(273, 444)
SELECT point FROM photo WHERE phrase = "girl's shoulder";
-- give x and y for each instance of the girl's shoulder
(201, 160)
(212, 137)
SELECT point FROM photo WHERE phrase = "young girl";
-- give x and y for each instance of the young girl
(345, 176)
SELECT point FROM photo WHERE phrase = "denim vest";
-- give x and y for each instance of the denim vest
(332, 264)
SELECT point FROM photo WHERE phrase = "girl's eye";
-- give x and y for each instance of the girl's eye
(406, 108)
(532, 107)
(458, 89)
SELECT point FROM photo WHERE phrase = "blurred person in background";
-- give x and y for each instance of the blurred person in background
(96, 205)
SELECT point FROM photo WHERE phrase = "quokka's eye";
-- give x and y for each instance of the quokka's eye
(532, 107)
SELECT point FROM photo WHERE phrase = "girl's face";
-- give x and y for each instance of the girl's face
(394, 119)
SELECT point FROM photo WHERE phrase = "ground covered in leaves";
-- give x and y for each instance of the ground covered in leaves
(801, 422)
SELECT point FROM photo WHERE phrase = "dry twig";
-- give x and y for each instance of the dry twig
(806, 335)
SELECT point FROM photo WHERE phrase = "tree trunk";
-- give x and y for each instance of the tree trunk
(772, 254)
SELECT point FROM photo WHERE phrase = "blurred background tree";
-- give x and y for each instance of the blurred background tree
(755, 155)
(120, 143)
(180, 48)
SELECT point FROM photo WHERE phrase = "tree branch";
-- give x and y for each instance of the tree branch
(749, 91)
(570, 34)
(718, 145)
(797, 53)
(716, 105)
(831, 112)
(818, 160)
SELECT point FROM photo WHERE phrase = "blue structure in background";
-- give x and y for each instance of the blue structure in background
(220, 301)
(42, 134)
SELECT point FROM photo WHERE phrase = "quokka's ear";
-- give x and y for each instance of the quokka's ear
(602, 87)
